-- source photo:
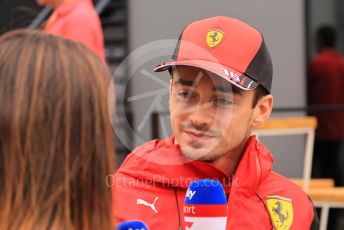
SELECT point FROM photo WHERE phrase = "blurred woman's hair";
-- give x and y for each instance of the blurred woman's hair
(56, 140)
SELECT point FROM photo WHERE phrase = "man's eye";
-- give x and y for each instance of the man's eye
(184, 94)
(223, 101)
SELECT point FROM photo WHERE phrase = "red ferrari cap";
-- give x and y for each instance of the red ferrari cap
(227, 47)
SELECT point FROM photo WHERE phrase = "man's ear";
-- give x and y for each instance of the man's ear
(262, 110)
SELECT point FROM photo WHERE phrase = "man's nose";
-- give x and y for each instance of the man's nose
(201, 116)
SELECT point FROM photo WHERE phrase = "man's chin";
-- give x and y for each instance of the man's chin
(201, 154)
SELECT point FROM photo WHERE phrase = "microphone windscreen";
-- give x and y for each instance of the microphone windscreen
(205, 191)
(132, 225)
(205, 206)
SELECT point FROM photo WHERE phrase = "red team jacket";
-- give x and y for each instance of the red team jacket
(151, 184)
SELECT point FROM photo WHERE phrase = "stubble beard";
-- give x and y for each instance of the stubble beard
(194, 151)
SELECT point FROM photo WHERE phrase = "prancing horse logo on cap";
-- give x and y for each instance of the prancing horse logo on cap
(214, 37)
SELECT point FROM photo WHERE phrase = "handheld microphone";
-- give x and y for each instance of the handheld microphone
(205, 206)
(132, 225)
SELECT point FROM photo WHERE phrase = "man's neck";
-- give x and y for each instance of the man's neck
(229, 161)
(59, 3)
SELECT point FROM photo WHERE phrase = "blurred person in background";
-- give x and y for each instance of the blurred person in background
(76, 20)
(56, 140)
(325, 82)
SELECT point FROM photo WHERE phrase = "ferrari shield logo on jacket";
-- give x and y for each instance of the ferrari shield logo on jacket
(258, 198)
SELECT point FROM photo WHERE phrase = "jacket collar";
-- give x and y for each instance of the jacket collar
(162, 162)
(254, 166)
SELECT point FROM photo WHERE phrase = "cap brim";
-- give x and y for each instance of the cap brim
(236, 78)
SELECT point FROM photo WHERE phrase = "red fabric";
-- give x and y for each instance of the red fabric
(78, 21)
(237, 47)
(144, 176)
(326, 82)
(229, 51)
(205, 210)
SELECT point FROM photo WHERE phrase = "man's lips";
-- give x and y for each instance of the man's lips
(196, 134)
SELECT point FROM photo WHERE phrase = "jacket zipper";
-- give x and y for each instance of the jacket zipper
(179, 217)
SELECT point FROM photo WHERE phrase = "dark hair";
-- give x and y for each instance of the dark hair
(258, 94)
(56, 139)
(327, 36)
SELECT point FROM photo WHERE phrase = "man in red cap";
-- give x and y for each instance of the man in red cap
(221, 75)
(76, 20)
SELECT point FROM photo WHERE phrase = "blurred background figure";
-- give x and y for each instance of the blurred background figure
(76, 20)
(325, 87)
(15, 14)
(56, 140)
